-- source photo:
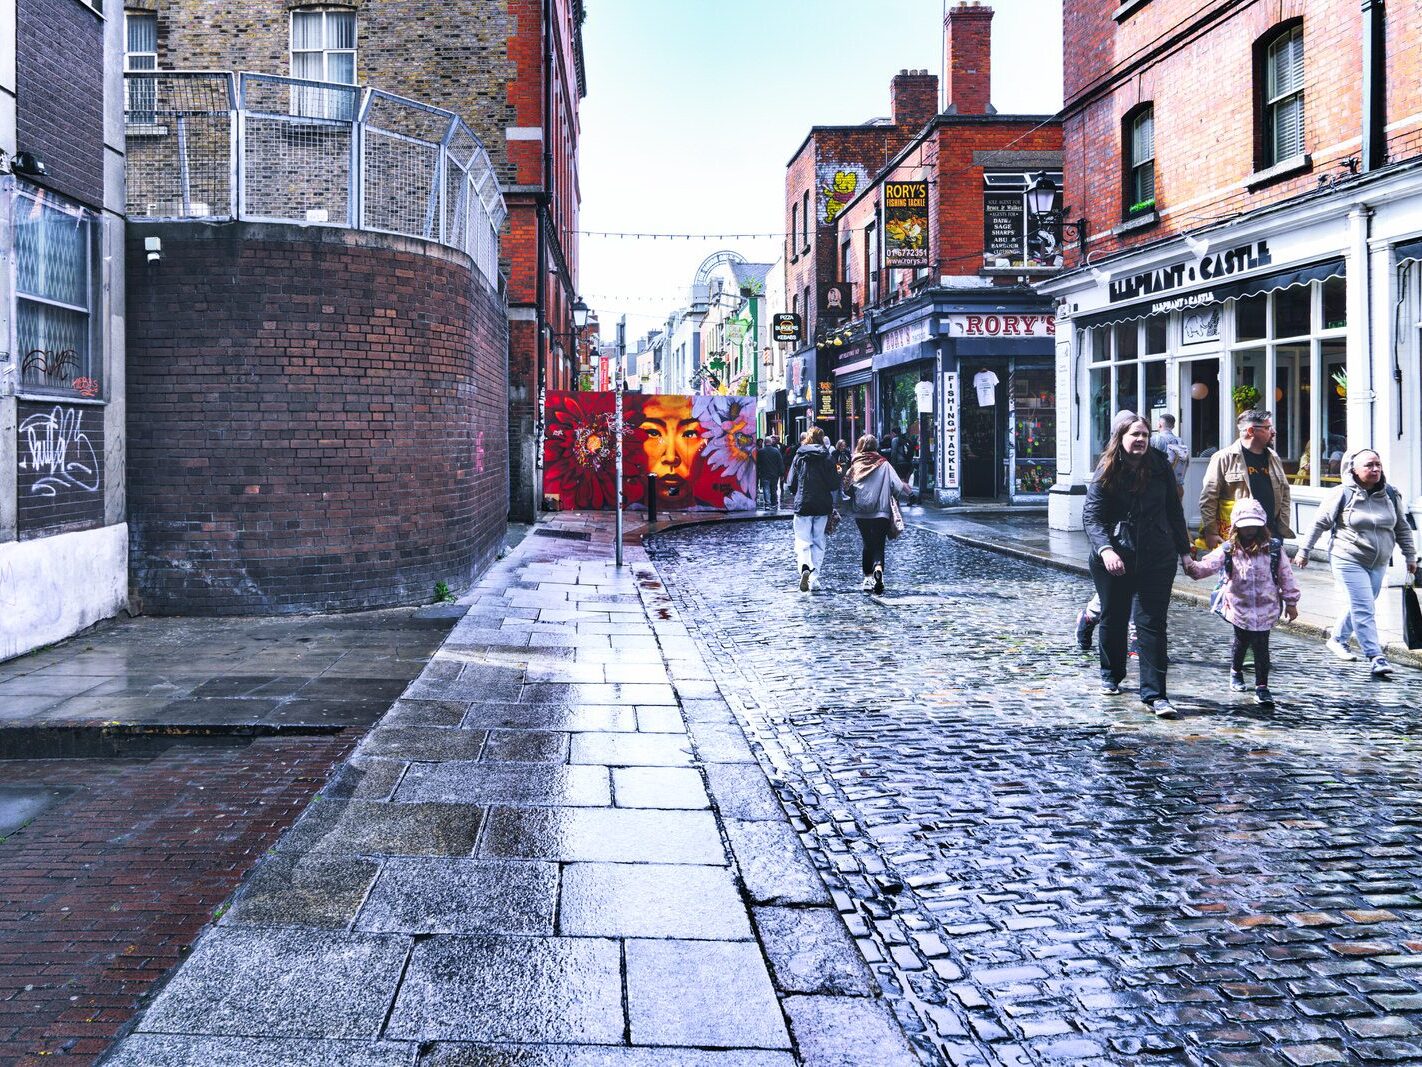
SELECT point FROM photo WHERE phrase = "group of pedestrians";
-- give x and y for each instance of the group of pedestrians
(1135, 523)
(865, 483)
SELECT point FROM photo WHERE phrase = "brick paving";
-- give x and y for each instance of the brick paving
(105, 890)
(1040, 874)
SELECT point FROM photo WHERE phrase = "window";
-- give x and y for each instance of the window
(1012, 235)
(54, 293)
(794, 230)
(871, 263)
(140, 53)
(1140, 162)
(323, 48)
(805, 218)
(1284, 97)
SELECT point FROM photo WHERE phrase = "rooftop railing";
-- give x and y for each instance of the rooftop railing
(216, 146)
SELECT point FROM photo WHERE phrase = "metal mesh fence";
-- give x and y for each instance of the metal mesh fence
(266, 148)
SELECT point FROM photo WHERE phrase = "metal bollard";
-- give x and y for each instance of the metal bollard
(651, 499)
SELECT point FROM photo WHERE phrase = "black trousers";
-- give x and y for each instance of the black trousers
(874, 533)
(1244, 640)
(1144, 592)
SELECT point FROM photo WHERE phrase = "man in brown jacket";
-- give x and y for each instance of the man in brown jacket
(1249, 468)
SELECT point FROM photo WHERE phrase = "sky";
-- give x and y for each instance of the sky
(693, 111)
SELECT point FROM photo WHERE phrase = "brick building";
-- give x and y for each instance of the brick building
(929, 257)
(63, 537)
(510, 68)
(1245, 186)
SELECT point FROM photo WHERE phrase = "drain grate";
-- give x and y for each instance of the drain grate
(566, 535)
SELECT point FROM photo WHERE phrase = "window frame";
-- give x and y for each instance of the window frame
(324, 103)
(1134, 204)
(1270, 103)
(142, 112)
(794, 226)
(805, 219)
(1015, 183)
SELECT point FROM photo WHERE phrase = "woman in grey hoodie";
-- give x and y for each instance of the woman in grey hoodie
(1368, 522)
(870, 484)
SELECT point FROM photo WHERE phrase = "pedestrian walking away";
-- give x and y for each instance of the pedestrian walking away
(1248, 468)
(1368, 523)
(901, 455)
(812, 484)
(870, 488)
(1136, 527)
(1257, 585)
(841, 458)
(769, 471)
(1173, 448)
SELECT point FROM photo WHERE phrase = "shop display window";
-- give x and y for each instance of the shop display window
(1034, 427)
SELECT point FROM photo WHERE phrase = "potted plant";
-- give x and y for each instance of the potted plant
(1245, 397)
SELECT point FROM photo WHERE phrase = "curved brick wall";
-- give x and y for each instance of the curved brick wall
(317, 419)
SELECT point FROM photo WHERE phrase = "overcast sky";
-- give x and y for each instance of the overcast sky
(693, 111)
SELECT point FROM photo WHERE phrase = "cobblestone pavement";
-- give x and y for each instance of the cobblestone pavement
(1042, 874)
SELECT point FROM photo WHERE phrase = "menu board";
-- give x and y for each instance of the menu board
(1004, 217)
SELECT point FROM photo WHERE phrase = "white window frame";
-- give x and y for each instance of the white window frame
(142, 109)
(1282, 88)
(325, 51)
(1140, 160)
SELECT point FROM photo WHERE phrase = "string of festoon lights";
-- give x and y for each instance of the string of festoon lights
(628, 236)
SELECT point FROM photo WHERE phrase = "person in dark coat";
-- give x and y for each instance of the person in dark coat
(770, 471)
(1136, 527)
(812, 483)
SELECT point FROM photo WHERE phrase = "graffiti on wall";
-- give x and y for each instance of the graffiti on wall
(837, 184)
(58, 468)
(701, 448)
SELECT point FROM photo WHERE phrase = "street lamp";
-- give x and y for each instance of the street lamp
(580, 313)
(1042, 200)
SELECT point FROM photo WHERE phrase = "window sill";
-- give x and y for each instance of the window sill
(1035, 272)
(60, 398)
(1127, 9)
(1144, 221)
(1294, 165)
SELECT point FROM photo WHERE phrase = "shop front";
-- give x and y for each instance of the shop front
(800, 394)
(1313, 320)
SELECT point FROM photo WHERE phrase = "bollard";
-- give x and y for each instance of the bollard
(651, 500)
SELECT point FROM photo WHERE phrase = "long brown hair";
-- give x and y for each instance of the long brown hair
(1118, 471)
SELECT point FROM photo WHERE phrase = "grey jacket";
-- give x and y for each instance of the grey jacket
(869, 499)
(1371, 524)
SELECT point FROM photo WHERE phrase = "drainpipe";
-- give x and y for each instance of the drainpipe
(1362, 404)
(1374, 151)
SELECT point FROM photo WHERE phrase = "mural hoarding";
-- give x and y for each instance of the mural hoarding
(906, 225)
(701, 448)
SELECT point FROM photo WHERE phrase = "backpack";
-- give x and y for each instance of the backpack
(901, 450)
(1217, 596)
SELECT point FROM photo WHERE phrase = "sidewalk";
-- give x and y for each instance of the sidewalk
(556, 848)
(1025, 534)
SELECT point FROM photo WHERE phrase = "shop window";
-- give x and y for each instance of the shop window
(323, 48)
(1128, 397)
(1200, 398)
(54, 294)
(1140, 161)
(1335, 303)
(1127, 340)
(1251, 318)
(1155, 342)
(1283, 96)
(1100, 386)
(1292, 311)
(140, 54)
(1293, 414)
(1014, 236)
(1332, 408)
(1156, 403)
(1034, 418)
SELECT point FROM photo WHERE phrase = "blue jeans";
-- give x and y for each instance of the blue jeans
(1362, 584)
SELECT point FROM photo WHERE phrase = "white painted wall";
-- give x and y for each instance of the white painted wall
(53, 587)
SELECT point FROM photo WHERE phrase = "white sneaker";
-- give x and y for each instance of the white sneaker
(868, 585)
(1339, 649)
(1381, 667)
(814, 581)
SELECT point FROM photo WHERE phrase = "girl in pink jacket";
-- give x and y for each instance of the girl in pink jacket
(1257, 588)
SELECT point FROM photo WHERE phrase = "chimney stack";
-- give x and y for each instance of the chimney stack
(915, 98)
(967, 59)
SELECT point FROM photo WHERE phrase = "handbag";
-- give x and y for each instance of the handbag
(1411, 618)
(832, 524)
(896, 519)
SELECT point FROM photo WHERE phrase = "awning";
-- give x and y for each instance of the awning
(1408, 249)
(1265, 283)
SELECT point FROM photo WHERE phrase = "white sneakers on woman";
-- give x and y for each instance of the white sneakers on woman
(1339, 649)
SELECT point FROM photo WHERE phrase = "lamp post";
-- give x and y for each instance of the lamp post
(1042, 200)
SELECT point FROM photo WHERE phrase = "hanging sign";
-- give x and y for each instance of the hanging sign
(786, 327)
(906, 224)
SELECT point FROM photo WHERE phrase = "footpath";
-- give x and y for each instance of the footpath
(557, 847)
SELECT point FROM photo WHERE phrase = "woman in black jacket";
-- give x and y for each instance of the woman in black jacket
(1136, 527)
(812, 484)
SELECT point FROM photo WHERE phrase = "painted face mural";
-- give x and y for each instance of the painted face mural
(700, 448)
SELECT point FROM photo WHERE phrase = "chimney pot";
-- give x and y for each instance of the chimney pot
(967, 59)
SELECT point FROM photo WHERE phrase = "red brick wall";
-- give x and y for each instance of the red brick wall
(967, 58)
(1196, 64)
(316, 420)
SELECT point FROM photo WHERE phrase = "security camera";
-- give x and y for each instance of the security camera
(154, 247)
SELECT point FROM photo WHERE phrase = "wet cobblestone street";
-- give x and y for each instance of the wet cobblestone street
(1042, 874)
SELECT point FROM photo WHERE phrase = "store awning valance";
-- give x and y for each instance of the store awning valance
(1265, 283)
(1408, 250)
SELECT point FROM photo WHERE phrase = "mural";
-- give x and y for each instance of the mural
(701, 448)
(837, 182)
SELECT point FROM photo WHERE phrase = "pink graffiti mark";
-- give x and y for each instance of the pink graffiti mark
(55, 449)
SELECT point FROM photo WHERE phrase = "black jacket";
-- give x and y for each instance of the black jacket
(769, 463)
(1155, 513)
(812, 480)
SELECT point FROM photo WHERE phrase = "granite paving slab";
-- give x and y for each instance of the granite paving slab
(511, 989)
(461, 896)
(165, 1050)
(423, 743)
(360, 827)
(612, 835)
(506, 784)
(511, 716)
(659, 787)
(847, 1032)
(810, 951)
(651, 900)
(527, 746)
(773, 864)
(303, 891)
(632, 749)
(702, 993)
(287, 982)
(452, 1055)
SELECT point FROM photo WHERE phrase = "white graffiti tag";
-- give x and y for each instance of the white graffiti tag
(55, 447)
